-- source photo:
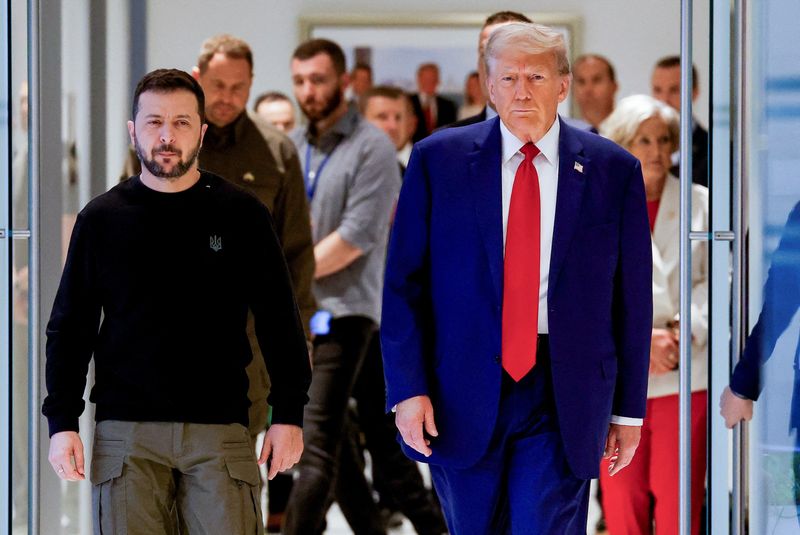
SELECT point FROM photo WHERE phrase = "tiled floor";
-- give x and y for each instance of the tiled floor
(337, 525)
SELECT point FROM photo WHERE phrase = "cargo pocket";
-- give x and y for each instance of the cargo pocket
(244, 472)
(108, 488)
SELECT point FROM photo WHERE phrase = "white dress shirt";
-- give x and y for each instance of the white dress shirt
(404, 154)
(546, 164)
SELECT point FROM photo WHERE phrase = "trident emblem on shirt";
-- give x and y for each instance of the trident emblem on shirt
(216, 243)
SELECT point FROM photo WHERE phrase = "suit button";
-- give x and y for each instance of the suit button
(497, 359)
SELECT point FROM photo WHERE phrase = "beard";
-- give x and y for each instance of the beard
(329, 106)
(156, 169)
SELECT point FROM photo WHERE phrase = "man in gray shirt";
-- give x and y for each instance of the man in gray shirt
(352, 181)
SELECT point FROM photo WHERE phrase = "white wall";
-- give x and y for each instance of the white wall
(632, 34)
(118, 105)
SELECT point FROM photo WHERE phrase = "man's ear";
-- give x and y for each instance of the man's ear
(564, 90)
(196, 72)
(203, 132)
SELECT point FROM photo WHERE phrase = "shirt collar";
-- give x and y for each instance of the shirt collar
(224, 136)
(344, 127)
(548, 145)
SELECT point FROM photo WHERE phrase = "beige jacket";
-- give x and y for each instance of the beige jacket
(666, 281)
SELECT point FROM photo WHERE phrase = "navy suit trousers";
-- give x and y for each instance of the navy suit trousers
(523, 484)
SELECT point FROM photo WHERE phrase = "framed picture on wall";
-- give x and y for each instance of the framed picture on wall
(395, 44)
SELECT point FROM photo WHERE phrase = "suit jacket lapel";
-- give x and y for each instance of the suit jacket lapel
(486, 185)
(667, 225)
(665, 250)
(662, 304)
(571, 185)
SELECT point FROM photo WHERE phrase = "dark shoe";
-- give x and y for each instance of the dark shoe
(391, 519)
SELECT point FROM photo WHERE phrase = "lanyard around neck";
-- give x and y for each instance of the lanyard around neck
(312, 176)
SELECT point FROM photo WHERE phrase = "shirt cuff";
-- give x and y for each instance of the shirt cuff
(624, 420)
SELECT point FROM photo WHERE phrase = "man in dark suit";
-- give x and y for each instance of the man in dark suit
(594, 87)
(505, 229)
(387, 108)
(666, 87)
(492, 22)
(432, 110)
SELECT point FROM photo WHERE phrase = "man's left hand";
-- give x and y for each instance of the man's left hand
(621, 446)
(734, 409)
(283, 444)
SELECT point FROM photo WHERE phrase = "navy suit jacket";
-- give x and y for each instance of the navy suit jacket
(781, 301)
(442, 308)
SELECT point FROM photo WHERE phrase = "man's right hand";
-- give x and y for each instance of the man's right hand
(410, 417)
(65, 446)
(734, 409)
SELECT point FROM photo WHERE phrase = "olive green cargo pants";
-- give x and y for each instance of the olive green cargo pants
(143, 472)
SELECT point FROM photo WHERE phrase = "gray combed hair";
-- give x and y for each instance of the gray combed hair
(530, 38)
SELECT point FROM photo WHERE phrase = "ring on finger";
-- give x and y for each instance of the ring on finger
(60, 469)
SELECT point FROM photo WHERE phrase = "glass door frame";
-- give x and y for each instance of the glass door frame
(5, 267)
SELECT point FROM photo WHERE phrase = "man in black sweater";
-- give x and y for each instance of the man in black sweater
(173, 259)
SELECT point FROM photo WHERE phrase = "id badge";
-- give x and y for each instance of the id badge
(321, 323)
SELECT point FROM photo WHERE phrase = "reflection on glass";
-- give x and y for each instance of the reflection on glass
(778, 450)
(19, 311)
(775, 244)
(19, 387)
(19, 163)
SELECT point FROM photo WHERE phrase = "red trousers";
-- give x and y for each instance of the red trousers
(653, 473)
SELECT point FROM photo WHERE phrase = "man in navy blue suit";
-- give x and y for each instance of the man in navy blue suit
(781, 301)
(518, 302)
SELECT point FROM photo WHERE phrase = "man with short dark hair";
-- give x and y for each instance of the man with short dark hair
(385, 107)
(666, 87)
(432, 110)
(594, 85)
(352, 182)
(172, 259)
(492, 22)
(360, 81)
(276, 108)
(247, 151)
(243, 148)
(390, 109)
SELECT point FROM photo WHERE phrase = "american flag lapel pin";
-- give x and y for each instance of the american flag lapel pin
(578, 167)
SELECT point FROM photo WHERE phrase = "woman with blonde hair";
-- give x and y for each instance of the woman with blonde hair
(649, 129)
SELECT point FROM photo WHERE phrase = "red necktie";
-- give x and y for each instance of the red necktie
(521, 270)
(430, 124)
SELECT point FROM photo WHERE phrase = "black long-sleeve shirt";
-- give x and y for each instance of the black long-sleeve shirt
(173, 275)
